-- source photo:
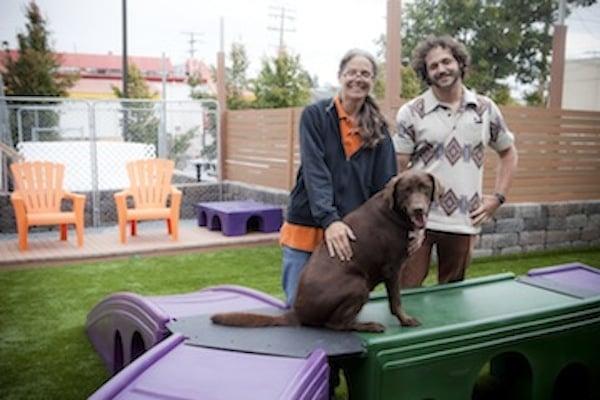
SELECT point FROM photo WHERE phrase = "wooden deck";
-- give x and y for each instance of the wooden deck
(45, 248)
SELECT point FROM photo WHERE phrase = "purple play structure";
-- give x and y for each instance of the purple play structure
(574, 279)
(124, 325)
(175, 370)
(234, 217)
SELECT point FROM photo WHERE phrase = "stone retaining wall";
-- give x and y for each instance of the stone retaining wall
(516, 228)
(524, 227)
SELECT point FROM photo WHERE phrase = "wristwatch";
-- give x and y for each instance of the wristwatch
(501, 198)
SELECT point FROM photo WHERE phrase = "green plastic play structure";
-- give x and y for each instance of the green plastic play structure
(495, 338)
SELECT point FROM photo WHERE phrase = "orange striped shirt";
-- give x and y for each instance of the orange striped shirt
(306, 238)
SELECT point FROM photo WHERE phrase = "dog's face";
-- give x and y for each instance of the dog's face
(412, 192)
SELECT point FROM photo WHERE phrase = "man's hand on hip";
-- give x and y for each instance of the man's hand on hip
(486, 210)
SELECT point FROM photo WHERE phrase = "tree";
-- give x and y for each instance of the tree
(237, 83)
(209, 147)
(195, 79)
(505, 37)
(34, 72)
(209, 123)
(137, 88)
(236, 80)
(410, 84)
(282, 82)
(141, 122)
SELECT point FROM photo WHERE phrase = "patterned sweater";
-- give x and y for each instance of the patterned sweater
(451, 146)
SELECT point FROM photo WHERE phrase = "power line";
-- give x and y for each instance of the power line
(583, 24)
(581, 14)
(592, 20)
(283, 14)
(192, 41)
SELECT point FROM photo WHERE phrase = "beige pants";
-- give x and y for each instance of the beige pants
(454, 255)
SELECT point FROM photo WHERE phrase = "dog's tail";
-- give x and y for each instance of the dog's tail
(254, 320)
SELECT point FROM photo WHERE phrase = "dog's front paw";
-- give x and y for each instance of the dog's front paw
(407, 320)
(375, 327)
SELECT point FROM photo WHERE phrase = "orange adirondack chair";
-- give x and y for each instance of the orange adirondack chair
(37, 199)
(150, 186)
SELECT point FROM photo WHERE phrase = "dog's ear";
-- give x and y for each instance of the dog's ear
(438, 188)
(389, 191)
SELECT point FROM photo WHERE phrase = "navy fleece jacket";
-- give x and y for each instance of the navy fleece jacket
(328, 185)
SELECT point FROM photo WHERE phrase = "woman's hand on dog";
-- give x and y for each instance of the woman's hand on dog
(337, 238)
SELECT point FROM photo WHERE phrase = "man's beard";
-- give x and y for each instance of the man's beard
(454, 75)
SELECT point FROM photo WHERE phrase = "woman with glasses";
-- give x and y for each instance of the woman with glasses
(346, 155)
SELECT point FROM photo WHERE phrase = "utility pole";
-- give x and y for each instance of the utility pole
(282, 14)
(222, 100)
(162, 132)
(125, 66)
(125, 76)
(393, 56)
(557, 69)
(192, 41)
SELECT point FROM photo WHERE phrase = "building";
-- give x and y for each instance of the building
(581, 87)
(100, 72)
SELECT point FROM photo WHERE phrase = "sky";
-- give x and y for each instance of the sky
(323, 30)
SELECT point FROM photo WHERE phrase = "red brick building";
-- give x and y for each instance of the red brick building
(99, 72)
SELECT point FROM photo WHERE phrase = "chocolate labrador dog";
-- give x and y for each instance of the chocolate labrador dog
(332, 292)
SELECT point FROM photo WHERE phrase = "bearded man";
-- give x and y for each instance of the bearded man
(444, 131)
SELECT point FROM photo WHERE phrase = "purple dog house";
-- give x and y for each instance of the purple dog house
(233, 217)
(175, 370)
(124, 325)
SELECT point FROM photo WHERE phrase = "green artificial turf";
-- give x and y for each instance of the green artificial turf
(45, 354)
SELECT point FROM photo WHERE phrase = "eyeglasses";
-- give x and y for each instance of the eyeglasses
(354, 73)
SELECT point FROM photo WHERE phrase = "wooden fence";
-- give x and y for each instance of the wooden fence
(261, 146)
(559, 152)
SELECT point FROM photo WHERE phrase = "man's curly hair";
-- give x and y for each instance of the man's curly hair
(458, 50)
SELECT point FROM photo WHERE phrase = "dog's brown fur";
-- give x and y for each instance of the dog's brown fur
(331, 292)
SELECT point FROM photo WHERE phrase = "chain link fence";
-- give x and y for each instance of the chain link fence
(95, 139)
